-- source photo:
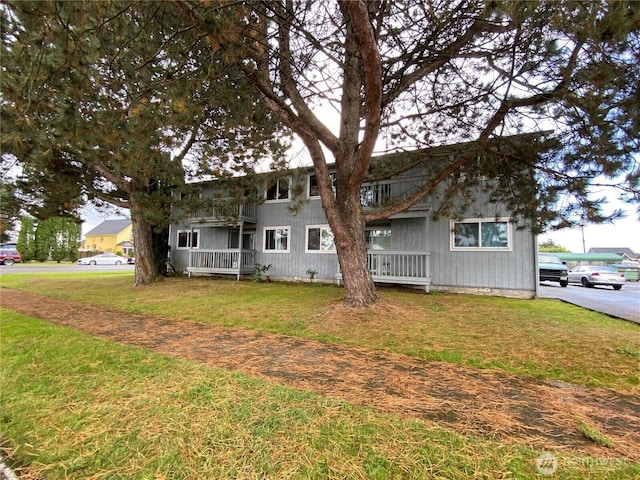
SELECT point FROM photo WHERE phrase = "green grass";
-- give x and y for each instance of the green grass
(77, 407)
(543, 337)
(594, 434)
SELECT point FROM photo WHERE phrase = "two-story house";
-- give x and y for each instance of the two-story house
(110, 236)
(482, 253)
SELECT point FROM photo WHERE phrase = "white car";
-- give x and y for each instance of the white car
(590, 275)
(102, 259)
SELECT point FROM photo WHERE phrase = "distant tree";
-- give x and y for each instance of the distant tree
(45, 240)
(9, 209)
(57, 238)
(27, 239)
(550, 246)
(403, 76)
(106, 100)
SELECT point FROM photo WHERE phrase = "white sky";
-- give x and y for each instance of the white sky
(622, 233)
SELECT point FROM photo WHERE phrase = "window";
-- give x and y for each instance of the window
(233, 241)
(320, 239)
(476, 234)
(278, 190)
(378, 238)
(276, 239)
(188, 238)
(375, 195)
(314, 190)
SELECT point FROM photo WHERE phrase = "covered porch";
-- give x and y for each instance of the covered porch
(229, 262)
(399, 267)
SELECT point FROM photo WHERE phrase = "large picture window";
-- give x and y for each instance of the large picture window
(276, 239)
(279, 190)
(188, 238)
(479, 234)
(320, 239)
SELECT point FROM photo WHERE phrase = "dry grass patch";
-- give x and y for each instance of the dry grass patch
(542, 337)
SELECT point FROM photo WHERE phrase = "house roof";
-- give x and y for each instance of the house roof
(110, 227)
(617, 250)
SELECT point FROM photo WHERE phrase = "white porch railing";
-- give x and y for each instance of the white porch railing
(221, 261)
(399, 266)
(225, 211)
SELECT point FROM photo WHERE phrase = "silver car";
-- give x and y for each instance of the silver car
(591, 275)
(102, 259)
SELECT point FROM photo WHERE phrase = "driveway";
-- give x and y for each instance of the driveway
(623, 303)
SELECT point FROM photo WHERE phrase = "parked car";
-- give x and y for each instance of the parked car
(591, 275)
(102, 259)
(551, 269)
(9, 254)
(131, 260)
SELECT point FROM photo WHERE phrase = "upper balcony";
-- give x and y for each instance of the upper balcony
(380, 194)
(225, 213)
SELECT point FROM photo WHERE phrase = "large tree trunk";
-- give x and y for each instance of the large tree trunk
(146, 269)
(352, 255)
(348, 226)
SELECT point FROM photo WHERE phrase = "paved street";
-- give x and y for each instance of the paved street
(63, 267)
(623, 303)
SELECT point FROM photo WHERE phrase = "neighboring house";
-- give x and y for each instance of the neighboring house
(628, 256)
(482, 253)
(110, 236)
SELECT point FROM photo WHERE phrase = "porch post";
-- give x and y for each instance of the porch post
(240, 249)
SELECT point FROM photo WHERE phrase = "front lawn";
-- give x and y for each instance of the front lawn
(77, 407)
(543, 337)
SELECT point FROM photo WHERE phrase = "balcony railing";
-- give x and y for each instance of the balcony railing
(221, 261)
(225, 212)
(399, 266)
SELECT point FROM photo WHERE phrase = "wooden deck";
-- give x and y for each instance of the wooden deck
(229, 262)
(399, 266)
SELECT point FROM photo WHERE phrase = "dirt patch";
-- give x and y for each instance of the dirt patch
(493, 404)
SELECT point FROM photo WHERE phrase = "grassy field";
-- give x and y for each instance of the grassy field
(78, 407)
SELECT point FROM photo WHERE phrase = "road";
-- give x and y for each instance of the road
(63, 267)
(623, 303)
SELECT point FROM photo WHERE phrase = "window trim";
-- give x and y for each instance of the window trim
(480, 248)
(277, 184)
(278, 227)
(189, 239)
(332, 176)
(306, 239)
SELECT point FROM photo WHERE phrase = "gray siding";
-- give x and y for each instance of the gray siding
(498, 270)
(295, 263)
(475, 271)
(508, 270)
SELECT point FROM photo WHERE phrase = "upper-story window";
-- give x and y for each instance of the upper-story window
(278, 190)
(313, 188)
(375, 195)
(481, 234)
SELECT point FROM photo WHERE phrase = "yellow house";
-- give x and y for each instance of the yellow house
(111, 236)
